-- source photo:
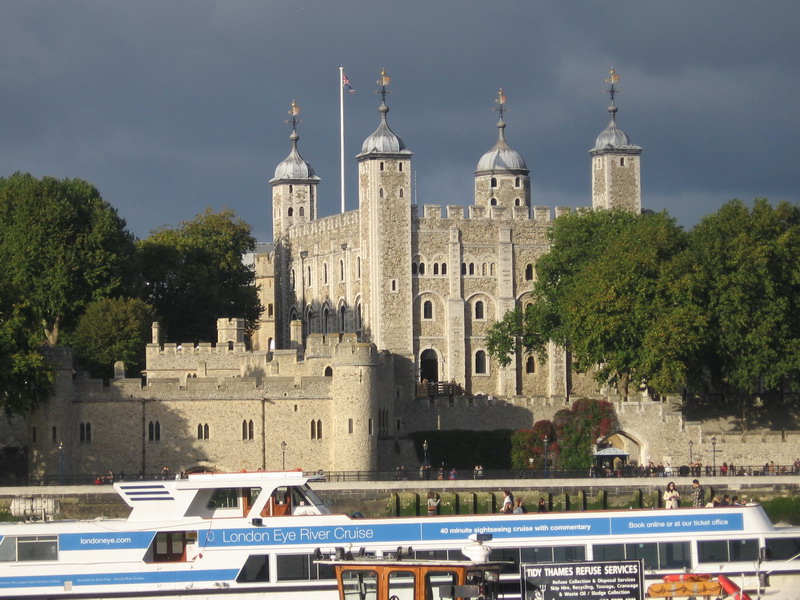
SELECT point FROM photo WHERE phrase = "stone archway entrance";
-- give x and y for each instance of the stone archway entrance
(429, 366)
(623, 441)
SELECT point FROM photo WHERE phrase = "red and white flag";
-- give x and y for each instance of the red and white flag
(346, 81)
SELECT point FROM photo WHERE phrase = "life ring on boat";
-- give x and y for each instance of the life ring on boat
(731, 588)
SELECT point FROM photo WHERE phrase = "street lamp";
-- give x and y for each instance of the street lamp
(714, 453)
(283, 456)
(61, 463)
(425, 453)
(546, 442)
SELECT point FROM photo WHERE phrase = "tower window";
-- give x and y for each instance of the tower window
(480, 362)
(472, 268)
(517, 202)
(202, 431)
(399, 166)
(444, 268)
(435, 268)
(328, 372)
(325, 274)
(413, 268)
(291, 279)
(463, 268)
(154, 431)
(319, 429)
(529, 272)
(341, 270)
(516, 182)
(494, 182)
(349, 425)
(530, 366)
(313, 429)
(622, 161)
(422, 268)
(427, 310)
(290, 212)
(493, 201)
(358, 267)
(479, 309)
(301, 211)
(381, 167)
(394, 285)
(401, 192)
(380, 193)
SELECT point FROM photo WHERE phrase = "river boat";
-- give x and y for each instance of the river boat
(251, 534)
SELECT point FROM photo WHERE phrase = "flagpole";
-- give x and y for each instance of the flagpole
(341, 134)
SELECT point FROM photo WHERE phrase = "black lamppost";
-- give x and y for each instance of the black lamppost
(283, 456)
(546, 443)
(61, 463)
(425, 453)
(691, 444)
(714, 454)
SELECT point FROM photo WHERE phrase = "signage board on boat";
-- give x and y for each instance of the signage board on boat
(620, 580)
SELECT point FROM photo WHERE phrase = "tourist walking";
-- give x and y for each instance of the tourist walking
(433, 504)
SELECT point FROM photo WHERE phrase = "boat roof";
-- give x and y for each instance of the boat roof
(170, 499)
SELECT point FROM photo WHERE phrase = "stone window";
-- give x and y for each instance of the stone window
(325, 316)
(381, 165)
(401, 192)
(394, 285)
(422, 268)
(328, 372)
(33, 434)
(479, 310)
(517, 202)
(325, 274)
(358, 317)
(290, 212)
(342, 315)
(247, 430)
(435, 268)
(494, 182)
(380, 192)
(493, 201)
(313, 429)
(308, 281)
(427, 310)
(414, 268)
(398, 424)
(270, 309)
(319, 429)
(291, 188)
(85, 433)
(529, 272)
(622, 161)
(472, 268)
(516, 182)
(530, 365)
(444, 268)
(349, 425)
(202, 431)
(301, 211)
(463, 268)
(369, 426)
(341, 270)
(358, 267)
(291, 278)
(399, 166)
(154, 431)
(480, 362)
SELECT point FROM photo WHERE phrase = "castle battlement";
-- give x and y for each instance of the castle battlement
(324, 225)
(475, 212)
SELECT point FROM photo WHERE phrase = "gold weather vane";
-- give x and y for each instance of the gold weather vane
(383, 82)
(613, 79)
(295, 110)
(501, 100)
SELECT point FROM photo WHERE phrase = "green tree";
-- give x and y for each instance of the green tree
(596, 294)
(578, 429)
(61, 245)
(112, 329)
(194, 274)
(26, 377)
(745, 269)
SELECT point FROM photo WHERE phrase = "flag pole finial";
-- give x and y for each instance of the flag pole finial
(613, 79)
(501, 101)
(384, 81)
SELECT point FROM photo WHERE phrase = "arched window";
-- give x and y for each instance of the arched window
(399, 166)
(444, 268)
(290, 212)
(516, 182)
(301, 211)
(472, 268)
(622, 161)
(381, 165)
(291, 279)
(342, 313)
(530, 365)
(491, 269)
(517, 202)
(325, 274)
(313, 429)
(479, 309)
(480, 362)
(250, 429)
(394, 285)
(529, 272)
(493, 201)
(413, 268)
(463, 268)
(205, 431)
(401, 192)
(199, 431)
(494, 182)
(308, 281)
(358, 267)
(328, 372)
(341, 270)
(325, 315)
(319, 429)
(435, 268)
(427, 310)
(380, 192)
(244, 430)
(422, 268)
(153, 431)
(358, 317)
(291, 188)
(483, 269)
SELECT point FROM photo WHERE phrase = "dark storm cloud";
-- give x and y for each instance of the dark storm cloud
(172, 106)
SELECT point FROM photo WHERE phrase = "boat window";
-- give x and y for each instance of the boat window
(545, 554)
(435, 580)
(430, 554)
(37, 547)
(674, 555)
(540, 554)
(360, 585)
(8, 549)
(783, 548)
(743, 549)
(506, 555)
(713, 551)
(569, 553)
(401, 585)
(649, 552)
(171, 545)
(301, 567)
(256, 568)
(609, 552)
(489, 579)
(311, 496)
(224, 498)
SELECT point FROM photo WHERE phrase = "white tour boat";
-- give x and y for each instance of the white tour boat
(251, 534)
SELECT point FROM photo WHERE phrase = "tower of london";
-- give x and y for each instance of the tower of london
(374, 326)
